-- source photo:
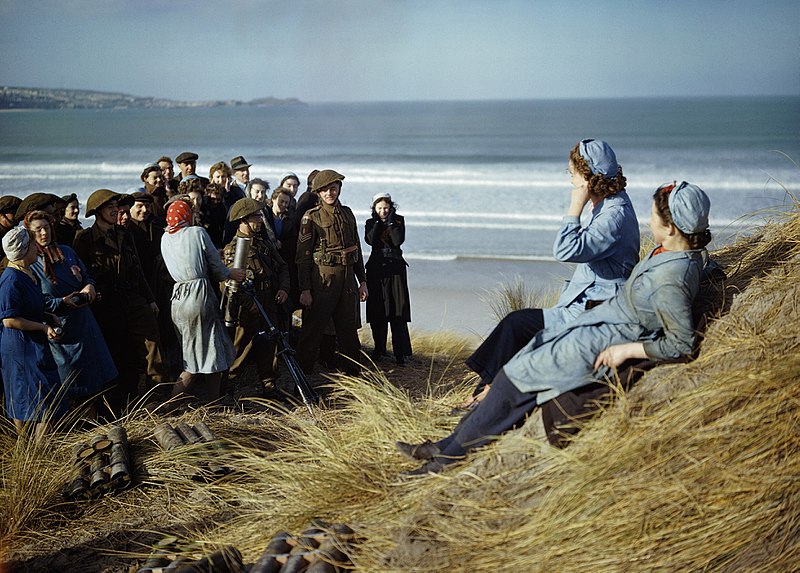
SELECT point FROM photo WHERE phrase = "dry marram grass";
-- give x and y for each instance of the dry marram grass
(694, 469)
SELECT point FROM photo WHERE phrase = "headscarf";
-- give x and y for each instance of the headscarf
(179, 215)
(599, 156)
(15, 243)
(689, 206)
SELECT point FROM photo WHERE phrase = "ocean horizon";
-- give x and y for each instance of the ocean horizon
(474, 179)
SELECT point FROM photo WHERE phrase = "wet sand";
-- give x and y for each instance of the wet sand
(450, 296)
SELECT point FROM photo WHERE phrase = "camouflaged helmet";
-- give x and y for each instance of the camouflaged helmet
(325, 178)
(243, 208)
(98, 199)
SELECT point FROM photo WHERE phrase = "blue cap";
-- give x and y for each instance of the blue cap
(689, 206)
(600, 157)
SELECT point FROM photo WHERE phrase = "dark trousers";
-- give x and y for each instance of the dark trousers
(507, 338)
(401, 340)
(503, 409)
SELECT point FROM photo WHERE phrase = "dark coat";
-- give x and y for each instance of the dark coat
(387, 280)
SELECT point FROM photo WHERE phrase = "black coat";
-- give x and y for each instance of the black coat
(387, 280)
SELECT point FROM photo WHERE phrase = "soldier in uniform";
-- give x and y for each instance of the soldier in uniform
(125, 310)
(329, 261)
(270, 276)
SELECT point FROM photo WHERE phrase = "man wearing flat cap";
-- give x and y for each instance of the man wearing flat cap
(126, 309)
(46, 202)
(329, 262)
(187, 163)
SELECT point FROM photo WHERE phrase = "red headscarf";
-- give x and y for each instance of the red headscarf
(179, 215)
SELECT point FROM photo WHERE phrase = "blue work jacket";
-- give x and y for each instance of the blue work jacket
(606, 249)
(654, 307)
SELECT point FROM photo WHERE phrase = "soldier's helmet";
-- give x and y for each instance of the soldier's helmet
(244, 208)
(98, 199)
(325, 178)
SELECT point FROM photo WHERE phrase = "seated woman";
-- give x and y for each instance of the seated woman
(606, 251)
(84, 363)
(30, 376)
(650, 318)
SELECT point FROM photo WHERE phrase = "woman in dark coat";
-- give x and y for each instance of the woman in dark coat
(387, 280)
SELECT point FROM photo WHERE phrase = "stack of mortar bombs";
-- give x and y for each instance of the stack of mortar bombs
(101, 466)
(165, 559)
(320, 549)
(185, 435)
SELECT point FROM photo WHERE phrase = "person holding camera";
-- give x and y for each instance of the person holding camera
(269, 275)
(387, 279)
(84, 363)
(195, 265)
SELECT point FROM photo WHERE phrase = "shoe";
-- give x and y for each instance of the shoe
(429, 467)
(378, 355)
(400, 360)
(424, 451)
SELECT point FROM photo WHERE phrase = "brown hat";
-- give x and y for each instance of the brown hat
(9, 204)
(238, 163)
(244, 208)
(98, 199)
(186, 157)
(34, 202)
(325, 178)
(142, 197)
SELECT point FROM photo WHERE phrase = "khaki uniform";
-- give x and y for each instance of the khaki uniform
(269, 274)
(123, 310)
(329, 261)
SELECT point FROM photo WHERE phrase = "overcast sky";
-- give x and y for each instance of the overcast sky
(340, 50)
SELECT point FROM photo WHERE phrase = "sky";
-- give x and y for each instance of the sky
(400, 50)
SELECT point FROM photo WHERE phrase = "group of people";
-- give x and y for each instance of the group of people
(165, 286)
(616, 310)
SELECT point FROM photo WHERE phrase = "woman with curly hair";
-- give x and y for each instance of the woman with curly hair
(81, 354)
(605, 249)
(650, 318)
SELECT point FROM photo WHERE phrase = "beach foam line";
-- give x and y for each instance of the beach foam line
(456, 258)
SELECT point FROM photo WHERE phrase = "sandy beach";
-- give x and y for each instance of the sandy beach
(450, 295)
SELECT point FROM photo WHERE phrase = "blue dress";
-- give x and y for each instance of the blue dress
(30, 376)
(84, 363)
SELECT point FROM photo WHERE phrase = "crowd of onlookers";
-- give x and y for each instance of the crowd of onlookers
(112, 309)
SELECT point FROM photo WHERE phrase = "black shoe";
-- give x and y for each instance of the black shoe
(424, 451)
(401, 361)
(429, 467)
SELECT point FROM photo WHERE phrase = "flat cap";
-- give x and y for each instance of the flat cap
(186, 157)
(142, 197)
(98, 199)
(325, 178)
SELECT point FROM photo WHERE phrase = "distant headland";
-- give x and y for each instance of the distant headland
(47, 98)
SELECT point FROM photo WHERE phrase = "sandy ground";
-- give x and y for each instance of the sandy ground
(449, 296)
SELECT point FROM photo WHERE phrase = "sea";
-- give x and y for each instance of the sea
(481, 179)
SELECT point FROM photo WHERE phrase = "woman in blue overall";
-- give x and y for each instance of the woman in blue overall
(650, 318)
(84, 363)
(606, 250)
(30, 375)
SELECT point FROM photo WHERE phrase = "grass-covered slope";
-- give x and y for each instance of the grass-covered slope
(695, 469)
